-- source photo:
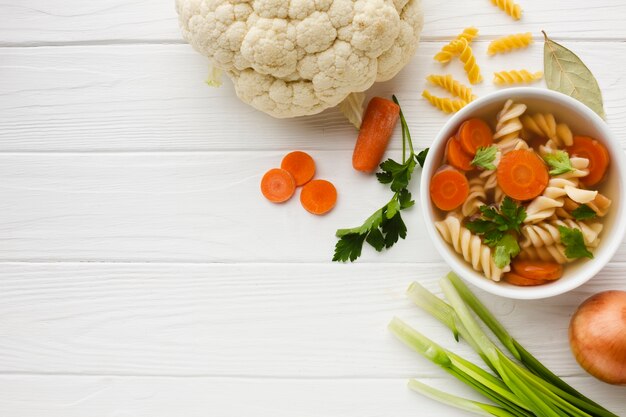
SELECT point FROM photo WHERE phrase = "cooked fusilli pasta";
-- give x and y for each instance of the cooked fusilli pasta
(469, 246)
(469, 61)
(600, 205)
(509, 43)
(544, 124)
(547, 233)
(454, 87)
(516, 77)
(581, 168)
(449, 51)
(509, 127)
(545, 253)
(509, 7)
(545, 205)
(446, 105)
(476, 197)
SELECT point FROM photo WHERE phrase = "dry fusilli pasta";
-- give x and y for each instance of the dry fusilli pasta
(476, 197)
(446, 105)
(510, 7)
(544, 124)
(470, 246)
(454, 87)
(469, 61)
(547, 233)
(509, 43)
(449, 51)
(516, 77)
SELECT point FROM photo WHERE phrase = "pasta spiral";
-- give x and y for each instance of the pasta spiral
(547, 233)
(600, 205)
(469, 61)
(509, 127)
(476, 197)
(454, 87)
(510, 7)
(581, 168)
(446, 105)
(509, 43)
(449, 51)
(470, 246)
(516, 77)
(545, 205)
(545, 253)
(546, 126)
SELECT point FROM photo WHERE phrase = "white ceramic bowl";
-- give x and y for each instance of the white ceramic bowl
(582, 121)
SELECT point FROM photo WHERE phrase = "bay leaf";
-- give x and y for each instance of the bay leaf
(565, 72)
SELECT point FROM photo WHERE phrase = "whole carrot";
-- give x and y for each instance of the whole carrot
(379, 121)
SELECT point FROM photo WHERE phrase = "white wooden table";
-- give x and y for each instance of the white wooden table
(141, 272)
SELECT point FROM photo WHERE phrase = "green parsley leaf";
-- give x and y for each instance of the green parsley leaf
(349, 247)
(393, 228)
(514, 214)
(559, 162)
(485, 157)
(574, 243)
(584, 212)
(421, 157)
(398, 175)
(506, 248)
(376, 239)
(405, 199)
(494, 225)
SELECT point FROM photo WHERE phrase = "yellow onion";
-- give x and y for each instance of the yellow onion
(597, 335)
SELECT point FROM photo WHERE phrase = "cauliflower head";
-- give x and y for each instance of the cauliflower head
(293, 58)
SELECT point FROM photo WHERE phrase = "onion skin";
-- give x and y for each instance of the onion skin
(597, 335)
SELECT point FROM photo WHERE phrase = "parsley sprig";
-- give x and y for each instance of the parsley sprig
(574, 243)
(385, 227)
(485, 157)
(499, 228)
(583, 212)
(559, 162)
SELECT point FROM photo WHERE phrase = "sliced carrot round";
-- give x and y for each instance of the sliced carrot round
(538, 270)
(522, 174)
(300, 165)
(318, 196)
(277, 185)
(449, 188)
(596, 153)
(457, 157)
(515, 279)
(474, 134)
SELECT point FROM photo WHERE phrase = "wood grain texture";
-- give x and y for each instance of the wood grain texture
(36, 22)
(235, 397)
(153, 97)
(190, 207)
(256, 320)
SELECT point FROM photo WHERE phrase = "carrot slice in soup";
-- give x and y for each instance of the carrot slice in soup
(318, 197)
(515, 279)
(300, 165)
(596, 153)
(457, 157)
(449, 188)
(277, 185)
(474, 134)
(522, 174)
(538, 270)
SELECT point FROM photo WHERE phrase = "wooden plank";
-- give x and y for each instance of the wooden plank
(191, 207)
(67, 396)
(36, 22)
(247, 320)
(152, 97)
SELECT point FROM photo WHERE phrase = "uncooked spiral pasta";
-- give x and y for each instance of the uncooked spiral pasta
(545, 125)
(509, 7)
(469, 61)
(477, 197)
(547, 233)
(446, 105)
(454, 87)
(509, 43)
(469, 246)
(516, 77)
(449, 51)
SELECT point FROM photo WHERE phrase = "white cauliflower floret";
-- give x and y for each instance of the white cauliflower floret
(298, 57)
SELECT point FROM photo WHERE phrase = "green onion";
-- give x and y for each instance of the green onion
(520, 386)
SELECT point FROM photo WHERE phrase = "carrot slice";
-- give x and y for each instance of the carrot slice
(457, 157)
(522, 174)
(300, 165)
(596, 153)
(379, 120)
(318, 196)
(474, 134)
(515, 279)
(449, 188)
(538, 270)
(277, 185)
